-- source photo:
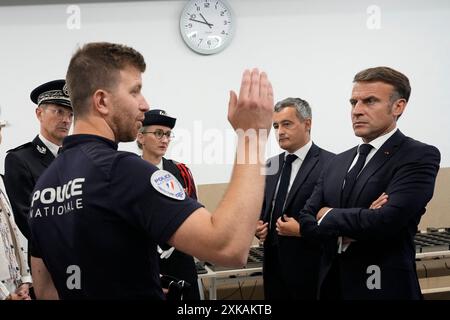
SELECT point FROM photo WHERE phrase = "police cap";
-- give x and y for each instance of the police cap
(54, 92)
(158, 117)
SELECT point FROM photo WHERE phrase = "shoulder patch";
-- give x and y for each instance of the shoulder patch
(20, 147)
(164, 182)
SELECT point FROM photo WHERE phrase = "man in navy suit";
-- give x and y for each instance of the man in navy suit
(290, 263)
(369, 253)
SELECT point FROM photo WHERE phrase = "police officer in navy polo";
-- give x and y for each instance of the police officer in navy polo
(24, 164)
(98, 214)
(153, 139)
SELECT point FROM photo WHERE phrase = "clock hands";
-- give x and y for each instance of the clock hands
(209, 24)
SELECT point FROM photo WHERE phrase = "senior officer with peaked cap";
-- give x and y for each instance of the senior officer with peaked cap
(25, 163)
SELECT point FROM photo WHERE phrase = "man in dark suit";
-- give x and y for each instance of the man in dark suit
(154, 138)
(24, 164)
(290, 263)
(370, 253)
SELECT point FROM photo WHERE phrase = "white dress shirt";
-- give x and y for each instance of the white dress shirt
(50, 145)
(296, 164)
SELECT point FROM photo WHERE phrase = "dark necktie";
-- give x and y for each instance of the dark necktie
(59, 151)
(282, 189)
(352, 175)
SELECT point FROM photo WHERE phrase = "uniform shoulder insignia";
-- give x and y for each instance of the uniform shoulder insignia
(165, 183)
(42, 150)
(23, 146)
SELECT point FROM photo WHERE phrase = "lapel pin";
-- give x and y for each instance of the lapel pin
(41, 149)
(386, 152)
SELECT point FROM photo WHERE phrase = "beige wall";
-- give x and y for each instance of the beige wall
(438, 209)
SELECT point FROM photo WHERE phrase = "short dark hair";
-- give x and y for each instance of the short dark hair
(97, 65)
(398, 80)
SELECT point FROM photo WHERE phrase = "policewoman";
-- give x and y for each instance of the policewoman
(153, 139)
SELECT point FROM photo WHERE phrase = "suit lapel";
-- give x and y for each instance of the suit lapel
(308, 164)
(342, 172)
(386, 151)
(271, 183)
(45, 155)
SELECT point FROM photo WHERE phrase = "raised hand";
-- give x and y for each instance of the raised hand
(254, 107)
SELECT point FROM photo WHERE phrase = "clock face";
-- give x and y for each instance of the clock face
(207, 25)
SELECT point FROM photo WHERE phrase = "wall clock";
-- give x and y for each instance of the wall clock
(207, 26)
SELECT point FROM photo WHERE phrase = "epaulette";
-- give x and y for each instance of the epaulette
(20, 147)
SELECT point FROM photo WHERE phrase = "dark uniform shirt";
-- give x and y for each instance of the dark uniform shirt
(95, 214)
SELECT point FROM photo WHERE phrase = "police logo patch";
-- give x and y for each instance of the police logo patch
(164, 182)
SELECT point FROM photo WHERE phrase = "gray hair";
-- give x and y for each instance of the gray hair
(303, 110)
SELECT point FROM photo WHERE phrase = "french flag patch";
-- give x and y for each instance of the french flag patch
(164, 182)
